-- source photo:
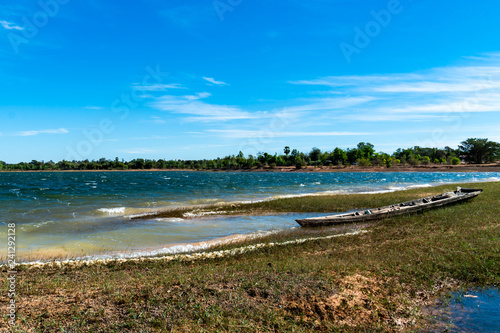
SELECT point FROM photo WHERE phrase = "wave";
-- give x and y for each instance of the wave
(490, 179)
(113, 211)
(127, 212)
(169, 219)
(418, 186)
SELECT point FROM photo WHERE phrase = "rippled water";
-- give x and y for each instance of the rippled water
(76, 213)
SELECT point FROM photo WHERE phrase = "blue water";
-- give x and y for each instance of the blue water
(73, 213)
(474, 311)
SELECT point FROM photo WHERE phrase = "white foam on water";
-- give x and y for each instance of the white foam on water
(418, 186)
(394, 188)
(200, 214)
(491, 179)
(112, 211)
(169, 219)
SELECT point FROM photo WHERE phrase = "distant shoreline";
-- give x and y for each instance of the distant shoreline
(493, 167)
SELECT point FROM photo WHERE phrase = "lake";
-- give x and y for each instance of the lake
(76, 214)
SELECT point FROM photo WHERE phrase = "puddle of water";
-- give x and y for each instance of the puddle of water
(472, 311)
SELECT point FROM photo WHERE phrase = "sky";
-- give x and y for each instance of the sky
(209, 78)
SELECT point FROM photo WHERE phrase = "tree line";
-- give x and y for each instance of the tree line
(472, 150)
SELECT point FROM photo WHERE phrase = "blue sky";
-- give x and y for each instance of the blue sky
(202, 79)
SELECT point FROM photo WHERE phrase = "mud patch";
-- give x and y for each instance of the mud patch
(359, 301)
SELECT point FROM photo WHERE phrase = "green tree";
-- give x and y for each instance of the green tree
(315, 154)
(339, 156)
(366, 150)
(412, 160)
(479, 150)
(286, 150)
(363, 161)
(299, 163)
(353, 155)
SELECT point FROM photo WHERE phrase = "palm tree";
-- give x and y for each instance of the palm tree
(286, 150)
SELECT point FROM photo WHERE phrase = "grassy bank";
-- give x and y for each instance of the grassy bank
(378, 280)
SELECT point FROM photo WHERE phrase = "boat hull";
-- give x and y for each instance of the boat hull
(407, 207)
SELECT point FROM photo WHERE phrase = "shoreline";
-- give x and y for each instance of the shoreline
(492, 167)
(201, 250)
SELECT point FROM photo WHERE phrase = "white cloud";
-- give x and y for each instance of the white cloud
(200, 110)
(245, 134)
(437, 80)
(157, 87)
(388, 117)
(330, 104)
(213, 81)
(349, 80)
(158, 120)
(10, 26)
(417, 96)
(48, 131)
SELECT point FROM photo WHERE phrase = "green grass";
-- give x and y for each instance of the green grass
(376, 281)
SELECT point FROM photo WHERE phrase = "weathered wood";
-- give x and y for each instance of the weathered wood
(398, 209)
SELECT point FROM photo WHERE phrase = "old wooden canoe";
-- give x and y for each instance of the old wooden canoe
(461, 194)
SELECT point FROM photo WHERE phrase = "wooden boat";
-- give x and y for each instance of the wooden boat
(461, 194)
